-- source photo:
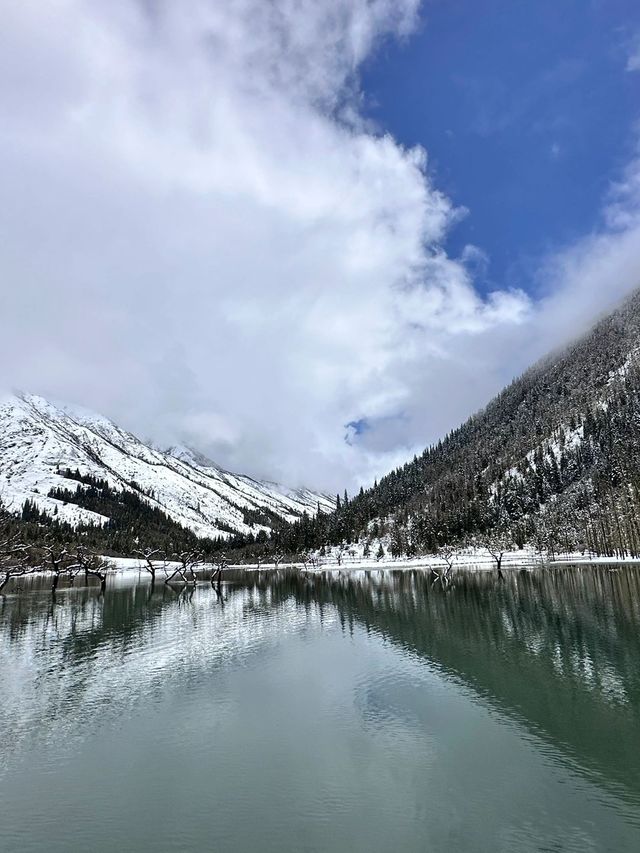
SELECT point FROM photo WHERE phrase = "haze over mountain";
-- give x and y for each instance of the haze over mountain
(553, 461)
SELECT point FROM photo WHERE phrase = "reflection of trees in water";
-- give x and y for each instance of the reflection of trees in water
(579, 624)
(558, 649)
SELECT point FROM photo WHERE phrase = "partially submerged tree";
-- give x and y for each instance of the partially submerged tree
(447, 554)
(58, 560)
(497, 542)
(187, 561)
(14, 553)
(92, 564)
(153, 559)
(221, 565)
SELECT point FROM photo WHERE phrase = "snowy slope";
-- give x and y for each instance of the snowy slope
(37, 437)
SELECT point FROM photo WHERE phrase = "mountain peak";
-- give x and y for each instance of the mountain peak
(191, 456)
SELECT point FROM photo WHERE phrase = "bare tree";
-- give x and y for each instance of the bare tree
(447, 554)
(150, 557)
(14, 553)
(310, 559)
(58, 561)
(221, 565)
(497, 542)
(92, 564)
(187, 561)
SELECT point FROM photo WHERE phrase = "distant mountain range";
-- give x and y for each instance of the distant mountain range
(41, 443)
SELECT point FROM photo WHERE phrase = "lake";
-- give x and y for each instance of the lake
(370, 711)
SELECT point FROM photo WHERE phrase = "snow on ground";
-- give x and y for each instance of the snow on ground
(469, 560)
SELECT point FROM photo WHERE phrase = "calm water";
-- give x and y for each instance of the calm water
(335, 713)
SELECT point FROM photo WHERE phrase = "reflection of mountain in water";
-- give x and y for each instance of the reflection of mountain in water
(558, 650)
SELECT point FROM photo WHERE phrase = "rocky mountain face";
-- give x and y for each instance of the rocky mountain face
(41, 443)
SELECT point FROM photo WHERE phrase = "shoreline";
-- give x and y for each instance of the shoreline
(515, 560)
(471, 562)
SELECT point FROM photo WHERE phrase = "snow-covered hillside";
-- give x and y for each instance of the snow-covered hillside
(38, 437)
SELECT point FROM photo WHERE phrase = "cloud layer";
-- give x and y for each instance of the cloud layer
(204, 239)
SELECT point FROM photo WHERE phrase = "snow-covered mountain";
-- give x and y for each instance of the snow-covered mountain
(39, 438)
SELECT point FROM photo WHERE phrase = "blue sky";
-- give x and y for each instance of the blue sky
(527, 112)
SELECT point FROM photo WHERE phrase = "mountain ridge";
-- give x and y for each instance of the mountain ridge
(40, 438)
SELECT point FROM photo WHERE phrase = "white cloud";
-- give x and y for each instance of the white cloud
(633, 60)
(202, 238)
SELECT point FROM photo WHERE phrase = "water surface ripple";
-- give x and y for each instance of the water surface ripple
(333, 712)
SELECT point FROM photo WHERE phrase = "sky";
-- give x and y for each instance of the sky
(309, 238)
(526, 110)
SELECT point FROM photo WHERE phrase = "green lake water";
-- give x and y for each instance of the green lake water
(345, 712)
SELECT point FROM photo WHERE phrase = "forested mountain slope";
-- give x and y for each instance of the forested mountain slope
(553, 460)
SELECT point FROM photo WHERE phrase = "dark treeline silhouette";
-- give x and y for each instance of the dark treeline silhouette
(133, 522)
